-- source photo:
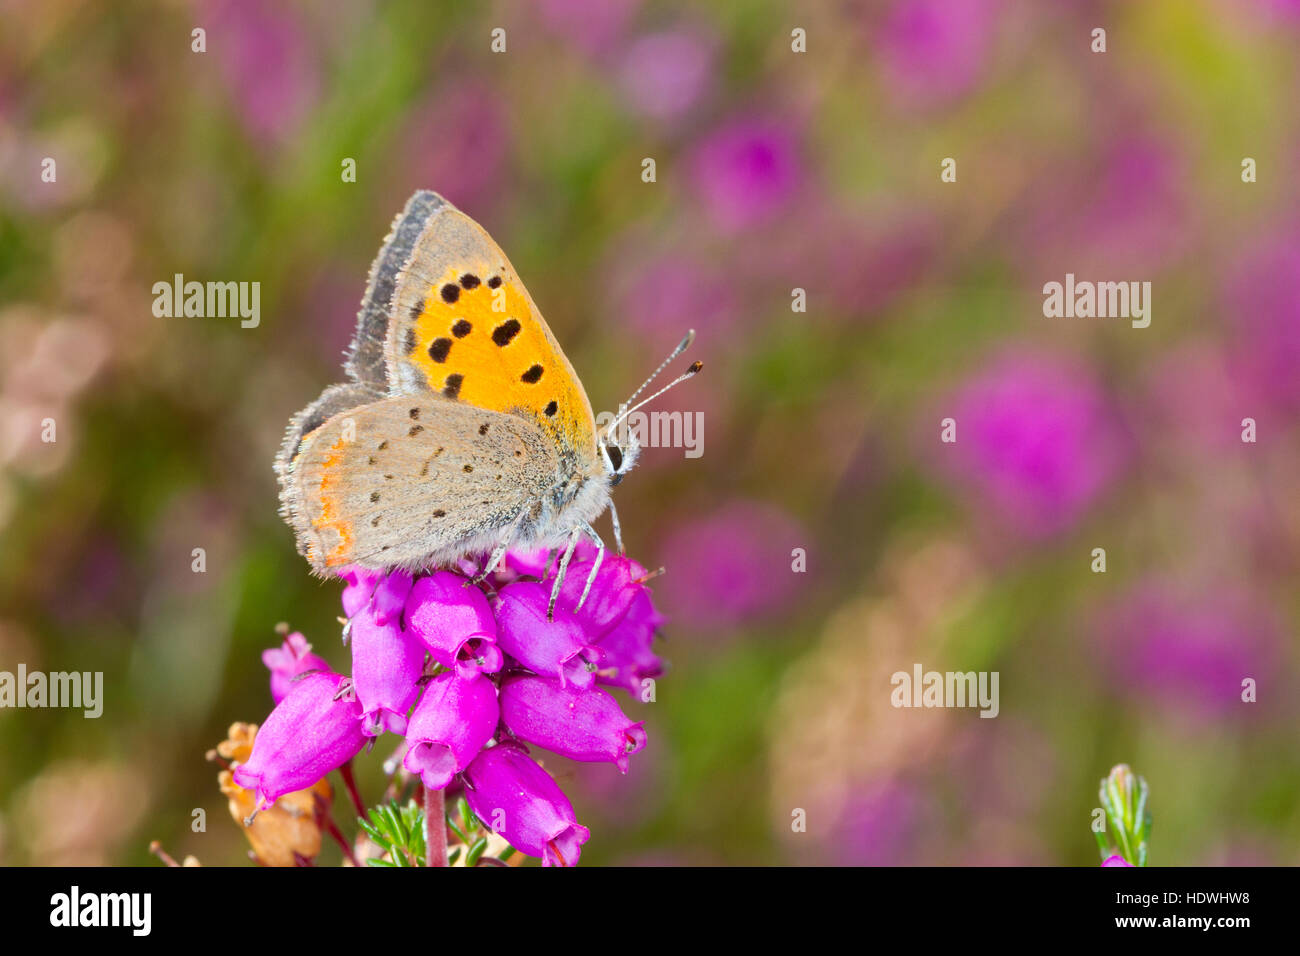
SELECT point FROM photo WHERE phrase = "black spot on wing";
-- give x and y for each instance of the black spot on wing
(532, 376)
(505, 332)
(551, 409)
(494, 282)
(438, 349)
(450, 293)
(461, 329)
(469, 281)
(453, 383)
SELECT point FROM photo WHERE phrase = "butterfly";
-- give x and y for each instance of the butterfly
(462, 430)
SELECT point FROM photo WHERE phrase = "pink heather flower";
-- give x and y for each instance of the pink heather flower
(454, 720)
(312, 731)
(455, 623)
(1116, 860)
(559, 648)
(287, 661)
(934, 51)
(387, 664)
(361, 584)
(514, 796)
(549, 697)
(627, 648)
(612, 592)
(1037, 442)
(584, 725)
(746, 171)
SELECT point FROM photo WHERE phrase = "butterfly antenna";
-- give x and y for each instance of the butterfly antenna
(682, 346)
(689, 373)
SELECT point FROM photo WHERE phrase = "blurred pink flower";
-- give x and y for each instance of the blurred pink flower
(1115, 216)
(267, 61)
(1037, 441)
(664, 74)
(933, 51)
(1193, 398)
(1261, 300)
(882, 825)
(730, 567)
(592, 25)
(675, 291)
(1189, 648)
(459, 143)
(747, 170)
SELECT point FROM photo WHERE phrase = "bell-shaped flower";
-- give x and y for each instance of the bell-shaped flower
(585, 725)
(314, 730)
(453, 721)
(558, 648)
(628, 655)
(387, 665)
(516, 798)
(614, 589)
(455, 623)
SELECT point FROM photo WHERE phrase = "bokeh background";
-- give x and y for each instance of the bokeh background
(775, 170)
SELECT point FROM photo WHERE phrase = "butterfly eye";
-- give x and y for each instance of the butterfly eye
(615, 455)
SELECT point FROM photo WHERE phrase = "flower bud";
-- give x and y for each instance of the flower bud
(515, 797)
(455, 623)
(452, 722)
(583, 725)
(287, 661)
(308, 734)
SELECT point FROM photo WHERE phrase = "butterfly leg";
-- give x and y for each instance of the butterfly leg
(498, 553)
(595, 567)
(559, 577)
(618, 528)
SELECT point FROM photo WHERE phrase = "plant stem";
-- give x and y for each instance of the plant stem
(435, 828)
(350, 782)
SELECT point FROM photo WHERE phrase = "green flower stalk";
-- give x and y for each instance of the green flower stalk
(1124, 798)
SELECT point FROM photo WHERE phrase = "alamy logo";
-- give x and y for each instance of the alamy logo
(102, 909)
(1102, 300)
(57, 689)
(210, 300)
(952, 689)
(658, 430)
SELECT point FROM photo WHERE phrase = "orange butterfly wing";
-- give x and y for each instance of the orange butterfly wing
(462, 325)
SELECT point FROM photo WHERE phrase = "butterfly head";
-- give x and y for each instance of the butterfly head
(619, 448)
(619, 456)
